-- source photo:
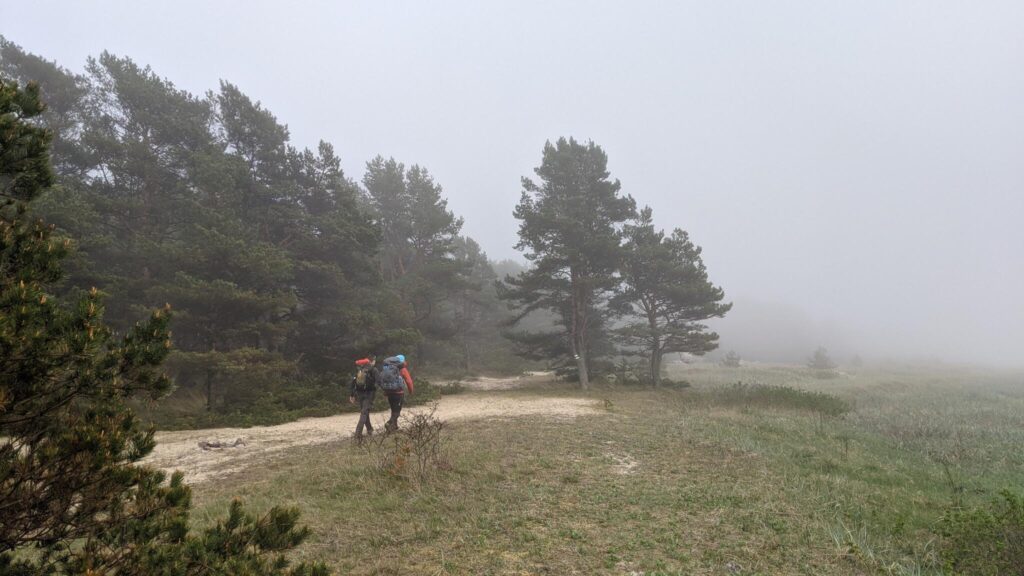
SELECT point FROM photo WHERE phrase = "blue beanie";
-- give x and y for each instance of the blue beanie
(401, 358)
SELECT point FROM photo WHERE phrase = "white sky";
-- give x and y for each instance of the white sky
(858, 163)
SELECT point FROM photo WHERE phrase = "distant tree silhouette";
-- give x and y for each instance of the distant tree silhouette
(820, 360)
(732, 359)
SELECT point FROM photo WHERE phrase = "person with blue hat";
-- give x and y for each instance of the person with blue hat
(394, 379)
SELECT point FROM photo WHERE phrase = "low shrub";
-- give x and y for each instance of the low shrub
(416, 452)
(450, 388)
(776, 396)
(985, 541)
(674, 384)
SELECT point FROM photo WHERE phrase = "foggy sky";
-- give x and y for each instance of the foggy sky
(854, 170)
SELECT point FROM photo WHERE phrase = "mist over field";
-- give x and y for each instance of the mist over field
(852, 171)
(632, 289)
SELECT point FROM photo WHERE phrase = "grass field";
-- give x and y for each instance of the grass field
(709, 479)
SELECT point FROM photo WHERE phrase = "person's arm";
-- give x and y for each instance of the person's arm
(408, 378)
(352, 388)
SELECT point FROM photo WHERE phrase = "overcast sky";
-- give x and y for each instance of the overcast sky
(854, 167)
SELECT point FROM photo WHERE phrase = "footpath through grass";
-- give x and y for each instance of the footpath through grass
(702, 480)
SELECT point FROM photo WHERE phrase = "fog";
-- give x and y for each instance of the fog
(853, 170)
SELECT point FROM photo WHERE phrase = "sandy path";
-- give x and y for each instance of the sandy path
(180, 450)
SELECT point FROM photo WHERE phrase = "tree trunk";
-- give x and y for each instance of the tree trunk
(581, 365)
(656, 368)
(652, 322)
(578, 331)
(465, 331)
(579, 353)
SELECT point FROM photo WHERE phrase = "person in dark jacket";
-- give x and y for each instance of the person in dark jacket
(394, 379)
(361, 392)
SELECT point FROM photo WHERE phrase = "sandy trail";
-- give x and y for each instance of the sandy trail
(180, 450)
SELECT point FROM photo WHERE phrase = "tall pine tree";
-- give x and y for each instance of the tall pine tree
(420, 237)
(571, 230)
(666, 284)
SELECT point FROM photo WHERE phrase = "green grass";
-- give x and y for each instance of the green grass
(771, 479)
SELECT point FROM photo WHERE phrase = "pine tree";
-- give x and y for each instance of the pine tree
(732, 360)
(570, 229)
(64, 93)
(667, 285)
(820, 360)
(420, 237)
(480, 315)
(72, 496)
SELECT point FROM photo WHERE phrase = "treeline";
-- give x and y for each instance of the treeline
(73, 498)
(280, 267)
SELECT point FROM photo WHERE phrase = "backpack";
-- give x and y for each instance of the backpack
(391, 377)
(361, 379)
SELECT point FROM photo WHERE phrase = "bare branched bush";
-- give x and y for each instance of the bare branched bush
(417, 451)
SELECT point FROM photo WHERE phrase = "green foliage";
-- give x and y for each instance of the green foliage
(674, 384)
(667, 287)
(570, 229)
(268, 253)
(780, 396)
(820, 360)
(72, 496)
(985, 541)
(451, 388)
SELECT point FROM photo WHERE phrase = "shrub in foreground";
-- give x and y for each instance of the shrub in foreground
(985, 541)
(415, 452)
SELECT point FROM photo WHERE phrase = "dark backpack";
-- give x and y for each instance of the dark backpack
(362, 379)
(391, 378)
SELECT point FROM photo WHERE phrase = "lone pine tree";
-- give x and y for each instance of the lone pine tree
(571, 230)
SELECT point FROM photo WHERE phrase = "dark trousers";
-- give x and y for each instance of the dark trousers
(365, 400)
(395, 401)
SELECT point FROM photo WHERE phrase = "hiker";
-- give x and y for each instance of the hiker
(361, 391)
(394, 379)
